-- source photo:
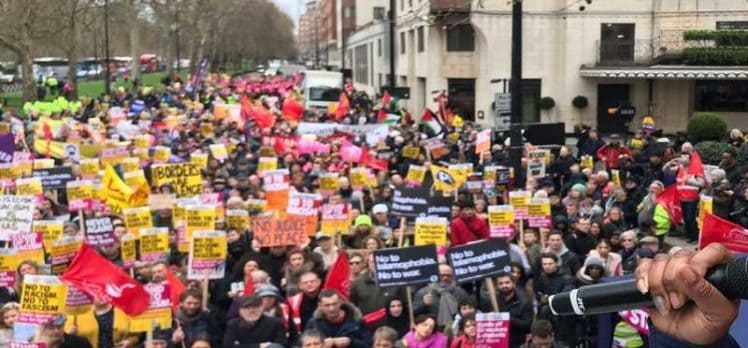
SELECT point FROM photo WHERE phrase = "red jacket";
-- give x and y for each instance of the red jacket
(465, 230)
(609, 155)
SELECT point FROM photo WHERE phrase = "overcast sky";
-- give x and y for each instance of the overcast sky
(292, 7)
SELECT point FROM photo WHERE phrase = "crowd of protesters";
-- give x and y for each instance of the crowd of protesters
(605, 214)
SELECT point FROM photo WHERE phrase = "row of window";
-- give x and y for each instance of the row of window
(460, 38)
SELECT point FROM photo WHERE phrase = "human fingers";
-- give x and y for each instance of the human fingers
(656, 283)
(715, 306)
(714, 254)
(642, 275)
(671, 278)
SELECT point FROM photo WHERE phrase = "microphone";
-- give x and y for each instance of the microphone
(730, 279)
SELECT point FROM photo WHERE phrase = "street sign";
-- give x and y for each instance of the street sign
(503, 111)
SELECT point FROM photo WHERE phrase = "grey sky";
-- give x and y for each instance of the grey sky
(292, 7)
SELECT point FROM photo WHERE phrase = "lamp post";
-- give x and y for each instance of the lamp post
(393, 4)
(107, 85)
(516, 148)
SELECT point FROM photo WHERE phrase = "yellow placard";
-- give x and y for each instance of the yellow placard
(130, 164)
(114, 155)
(51, 231)
(199, 159)
(219, 151)
(137, 219)
(142, 141)
(267, 163)
(161, 154)
(416, 174)
(89, 168)
(329, 183)
(154, 243)
(8, 260)
(431, 230)
(411, 152)
(128, 250)
(44, 163)
(198, 218)
(207, 248)
(359, 178)
(706, 205)
(43, 295)
(539, 207)
(257, 205)
(80, 190)
(237, 219)
(519, 199)
(137, 181)
(185, 178)
(29, 187)
(500, 215)
(145, 321)
(64, 248)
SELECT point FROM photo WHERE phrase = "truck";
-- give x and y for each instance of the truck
(322, 88)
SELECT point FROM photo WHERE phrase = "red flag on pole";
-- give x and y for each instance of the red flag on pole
(343, 106)
(91, 273)
(695, 166)
(292, 110)
(670, 200)
(249, 287)
(718, 230)
(339, 277)
(175, 288)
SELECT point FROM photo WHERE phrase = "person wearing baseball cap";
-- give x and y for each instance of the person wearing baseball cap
(382, 222)
(252, 327)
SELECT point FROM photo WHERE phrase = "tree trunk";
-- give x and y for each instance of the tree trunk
(134, 43)
(29, 80)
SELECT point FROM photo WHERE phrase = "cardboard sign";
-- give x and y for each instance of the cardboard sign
(161, 154)
(519, 200)
(80, 195)
(154, 244)
(137, 219)
(43, 297)
(51, 230)
(219, 152)
(130, 164)
(62, 252)
(539, 213)
(411, 152)
(431, 230)
(500, 221)
(237, 219)
(197, 218)
(185, 178)
(415, 175)
(16, 215)
(28, 246)
(414, 202)
(207, 258)
(483, 259)
(275, 183)
(114, 155)
(406, 266)
(267, 163)
(336, 218)
(329, 183)
(128, 250)
(270, 231)
(89, 168)
(483, 141)
(31, 187)
(99, 231)
(492, 330)
(359, 178)
(159, 310)
(199, 159)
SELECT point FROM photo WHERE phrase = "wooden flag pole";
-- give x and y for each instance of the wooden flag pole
(205, 292)
(492, 294)
(409, 298)
(401, 237)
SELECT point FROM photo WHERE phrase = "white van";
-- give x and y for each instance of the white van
(322, 88)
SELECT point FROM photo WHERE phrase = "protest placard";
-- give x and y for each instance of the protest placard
(336, 218)
(23, 163)
(154, 244)
(159, 310)
(161, 201)
(492, 330)
(437, 147)
(359, 178)
(539, 213)
(89, 168)
(207, 258)
(478, 260)
(28, 246)
(51, 230)
(415, 175)
(706, 206)
(219, 152)
(43, 163)
(99, 231)
(519, 200)
(257, 205)
(414, 202)
(42, 298)
(8, 173)
(374, 133)
(411, 152)
(142, 141)
(30, 187)
(184, 178)
(270, 231)
(483, 141)
(8, 265)
(200, 159)
(329, 183)
(137, 219)
(431, 230)
(80, 195)
(77, 302)
(128, 251)
(500, 221)
(275, 183)
(214, 199)
(62, 252)
(237, 219)
(114, 155)
(16, 215)
(303, 204)
(406, 266)
(161, 154)
(130, 164)
(267, 163)
(197, 217)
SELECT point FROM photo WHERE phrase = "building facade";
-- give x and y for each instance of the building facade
(616, 55)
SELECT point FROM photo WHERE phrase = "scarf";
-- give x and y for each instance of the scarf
(448, 305)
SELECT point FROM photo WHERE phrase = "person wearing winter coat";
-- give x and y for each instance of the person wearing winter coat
(468, 227)
(441, 299)
(611, 153)
(468, 333)
(611, 261)
(519, 307)
(568, 260)
(340, 323)
(253, 329)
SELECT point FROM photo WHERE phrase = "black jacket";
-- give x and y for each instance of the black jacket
(580, 243)
(202, 325)
(520, 314)
(74, 341)
(554, 283)
(241, 334)
(351, 327)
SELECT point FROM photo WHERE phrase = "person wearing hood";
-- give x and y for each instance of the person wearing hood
(362, 228)
(253, 328)
(468, 227)
(568, 260)
(396, 316)
(591, 272)
(192, 322)
(339, 322)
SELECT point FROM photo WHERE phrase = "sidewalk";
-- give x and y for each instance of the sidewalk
(680, 242)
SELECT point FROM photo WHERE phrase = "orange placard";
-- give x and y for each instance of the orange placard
(269, 231)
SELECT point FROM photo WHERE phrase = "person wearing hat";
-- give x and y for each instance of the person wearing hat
(650, 243)
(54, 336)
(326, 248)
(362, 228)
(591, 272)
(160, 338)
(467, 226)
(253, 328)
(382, 223)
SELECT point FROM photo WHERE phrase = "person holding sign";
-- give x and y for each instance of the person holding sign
(467, 226)
(191, 321)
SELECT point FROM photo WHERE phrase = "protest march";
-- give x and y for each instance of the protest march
(223, 212)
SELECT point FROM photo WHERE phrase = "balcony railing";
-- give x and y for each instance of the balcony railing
(666, 47)
(450, 6)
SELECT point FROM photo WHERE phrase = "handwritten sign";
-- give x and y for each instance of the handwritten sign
(185, 178)
(270, 231)
(16, 215)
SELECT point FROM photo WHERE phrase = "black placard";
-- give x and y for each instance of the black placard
(54, 178)
(475, 261)
(99, 231)
(416, 201)
(406, 266)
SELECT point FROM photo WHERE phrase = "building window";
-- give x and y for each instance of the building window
(379, 13)
(346, 12)
(402, 5)
(741, 25)
(461, 38)
(617, 43)
(402, 43)
(410, 3)
(361, 65)
(530, 99)
(379, 48)
(421, 44)
(721, 95)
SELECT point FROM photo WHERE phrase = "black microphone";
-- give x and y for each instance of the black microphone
(730, 279)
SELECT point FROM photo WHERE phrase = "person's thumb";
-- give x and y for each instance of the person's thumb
(715, 306)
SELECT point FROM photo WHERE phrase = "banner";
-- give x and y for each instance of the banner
(270, 231)
(492, 330)
(374, 133)
(267, 163)
(500, 221)
(729, 234)
(336, 218)
(207, 258)
(414, 202)
(237, 219)
(415, 175)
(16, 215)
(99, 231)
(63, 250)
(519, 200)
(638, 319)
(137, 219)
(483, 142)
(159, 310)
(483, 259)
(28, 246)
(406, 266)
(184, 178)
(43, 297)
(539, 213)
(275, 183)
(51, 230)
(329, 183)
(431, 230)
(114, 192)
(411, 152)
(128, 250)
(80, 195)
(154, 244)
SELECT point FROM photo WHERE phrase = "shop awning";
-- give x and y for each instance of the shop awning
(667, 72)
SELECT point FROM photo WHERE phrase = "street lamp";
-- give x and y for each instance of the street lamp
(107, 87)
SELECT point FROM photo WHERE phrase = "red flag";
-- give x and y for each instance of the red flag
(176, 288)
(372, 162)
(249, 287)
(381, 115)
(91, 273)
(343, 106)
(374, 317)
(695, 166)
(339, 277)
(292, 110)
(718, 230)
(670, 200)
(262, 116)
